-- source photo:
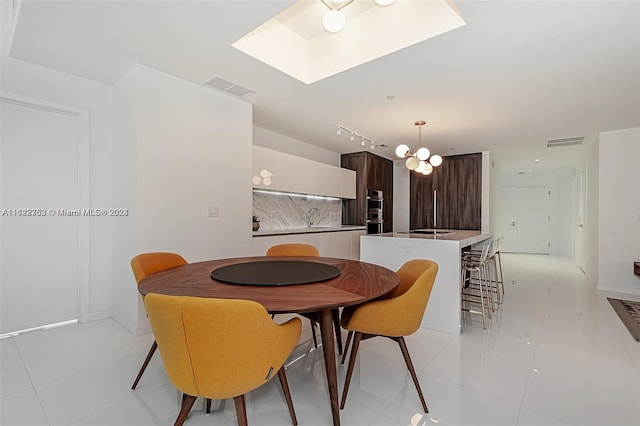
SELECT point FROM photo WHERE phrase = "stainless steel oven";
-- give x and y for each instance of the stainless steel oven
(375, 202)
(374, 227)
(374, 214)
(374, 199)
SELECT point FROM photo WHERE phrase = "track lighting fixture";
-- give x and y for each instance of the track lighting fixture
(354, 135)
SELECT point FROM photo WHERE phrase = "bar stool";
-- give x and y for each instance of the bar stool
(498, 266)
(494, 268)
(476, 292)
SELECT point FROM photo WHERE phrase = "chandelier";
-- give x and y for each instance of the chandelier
(334, 20)
(421, 161)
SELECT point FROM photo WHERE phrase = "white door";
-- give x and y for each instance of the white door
(524, 219)
(507, 216)
(580, 219)
(39, 280)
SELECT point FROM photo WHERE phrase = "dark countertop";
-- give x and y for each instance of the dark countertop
(312, 230)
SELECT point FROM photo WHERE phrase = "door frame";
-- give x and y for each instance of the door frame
(580, 218)
(83, 189)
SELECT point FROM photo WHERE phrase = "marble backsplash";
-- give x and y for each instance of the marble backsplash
(280, 211)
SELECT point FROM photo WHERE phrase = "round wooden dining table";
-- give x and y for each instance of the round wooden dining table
(356, 283)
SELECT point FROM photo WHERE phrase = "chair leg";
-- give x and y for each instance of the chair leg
(346, 347)
(208, 406)
(241, 411)
(336, 326)
(313, 333)
(484, 323)
(154, 346)
(499, 262)
(352, 362)
(407, 360)
(187, 403)
(488, 296)
(287, 394)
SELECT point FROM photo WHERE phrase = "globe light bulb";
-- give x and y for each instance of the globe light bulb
(435, 160)
(402, 151)
(266, 181)
(412, 163)
(423, 153)
(333, 21)
(256, 180)
(383, 3)
(422, 166)
(428, 169)
(265, 173)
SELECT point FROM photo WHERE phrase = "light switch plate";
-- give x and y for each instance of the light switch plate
(213, 211)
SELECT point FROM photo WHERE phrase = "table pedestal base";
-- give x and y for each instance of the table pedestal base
(328, 349)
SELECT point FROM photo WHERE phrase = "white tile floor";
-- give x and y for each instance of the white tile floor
(555, 355)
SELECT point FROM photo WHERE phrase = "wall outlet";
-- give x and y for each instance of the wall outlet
(404, 248)
(213, 211)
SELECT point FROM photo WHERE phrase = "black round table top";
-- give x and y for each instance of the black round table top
(275, 272)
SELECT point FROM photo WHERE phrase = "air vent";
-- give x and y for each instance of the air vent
(229, 87)
(551, 143)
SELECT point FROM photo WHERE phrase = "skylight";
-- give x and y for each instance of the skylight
(295, 43)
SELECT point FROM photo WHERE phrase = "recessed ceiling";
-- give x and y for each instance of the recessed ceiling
(295, 43)
(517, 74)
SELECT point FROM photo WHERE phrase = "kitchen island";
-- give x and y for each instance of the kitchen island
(443, 246)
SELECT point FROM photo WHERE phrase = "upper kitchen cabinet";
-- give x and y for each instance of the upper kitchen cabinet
(372, 172)
(288, 173)
(455, 188)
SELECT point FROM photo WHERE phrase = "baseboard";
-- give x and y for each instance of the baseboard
(619, 289)
(590, 278)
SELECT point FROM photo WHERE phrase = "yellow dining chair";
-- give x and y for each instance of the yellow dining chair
(396, 315)
(144, 265)
(293, 249)
(220, 348)
(301, 249)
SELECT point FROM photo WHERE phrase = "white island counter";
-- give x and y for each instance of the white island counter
(393, 249)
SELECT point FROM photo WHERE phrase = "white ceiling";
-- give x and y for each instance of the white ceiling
(518, 73)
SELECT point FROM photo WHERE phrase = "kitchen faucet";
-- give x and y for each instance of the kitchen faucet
(309, 222)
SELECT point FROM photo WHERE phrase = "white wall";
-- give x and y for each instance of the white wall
(46, 84)
(590, 220)
(401, 200)
(619, 210)
(180, 148)
(565, 223)
(485, 213)
(272, 140)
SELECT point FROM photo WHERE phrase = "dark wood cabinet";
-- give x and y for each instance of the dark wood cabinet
(372, 172)
(458, 193)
